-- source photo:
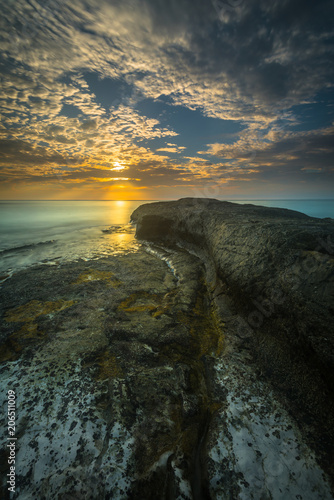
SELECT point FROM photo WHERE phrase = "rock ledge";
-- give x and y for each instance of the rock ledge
(275, 268)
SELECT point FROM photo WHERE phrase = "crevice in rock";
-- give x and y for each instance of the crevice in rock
(192, 409)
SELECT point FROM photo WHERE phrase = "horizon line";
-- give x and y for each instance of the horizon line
(176, 199)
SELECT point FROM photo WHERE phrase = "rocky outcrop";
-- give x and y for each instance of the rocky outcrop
(275, 268)
(109, 374)
(140, 375)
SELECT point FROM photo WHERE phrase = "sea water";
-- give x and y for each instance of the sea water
(49, 232)
(313, 208)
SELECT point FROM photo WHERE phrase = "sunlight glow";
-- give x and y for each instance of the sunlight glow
(117, 166)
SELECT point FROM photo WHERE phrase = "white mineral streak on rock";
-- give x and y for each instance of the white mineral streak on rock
(259, 444)
(183, 485)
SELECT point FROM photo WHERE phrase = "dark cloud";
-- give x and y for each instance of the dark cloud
(268, 52)
(297, 154)
(17, 152)
(88, 125)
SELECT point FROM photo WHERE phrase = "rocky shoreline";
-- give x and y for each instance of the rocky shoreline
(145, 375)
(275, 268)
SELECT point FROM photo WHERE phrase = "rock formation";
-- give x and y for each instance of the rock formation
(275, 268)
(198, 366)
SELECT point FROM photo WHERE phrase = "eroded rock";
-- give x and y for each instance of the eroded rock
(271, 273)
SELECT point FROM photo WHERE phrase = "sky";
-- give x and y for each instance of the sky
(157, 99)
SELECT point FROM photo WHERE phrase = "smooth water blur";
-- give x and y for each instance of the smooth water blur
(30, 219)
(313, 208)
(48, 231)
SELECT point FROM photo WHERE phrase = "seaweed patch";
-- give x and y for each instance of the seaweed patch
(96, 275)
(29, 332)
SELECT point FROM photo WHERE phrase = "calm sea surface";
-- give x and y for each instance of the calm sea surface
(50, 232)
(314, 208)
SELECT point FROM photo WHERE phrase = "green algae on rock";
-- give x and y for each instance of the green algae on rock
(96, 275)
(28, 312)
(29, 333)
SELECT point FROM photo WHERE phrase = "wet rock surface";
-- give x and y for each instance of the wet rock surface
(136, 376)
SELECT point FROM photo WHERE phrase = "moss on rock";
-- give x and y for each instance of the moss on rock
(96, 275)
(29, 333)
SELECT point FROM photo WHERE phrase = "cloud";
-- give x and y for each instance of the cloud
(172, 148)
(250, 64)
(183, 49)
(282, 153)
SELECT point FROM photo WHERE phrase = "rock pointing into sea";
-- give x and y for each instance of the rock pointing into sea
(274, 268)
(199, 366)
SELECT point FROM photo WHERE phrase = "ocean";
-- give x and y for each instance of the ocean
(51, 232)
(313, 208)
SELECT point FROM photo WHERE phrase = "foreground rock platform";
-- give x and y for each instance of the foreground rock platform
(140, 376)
